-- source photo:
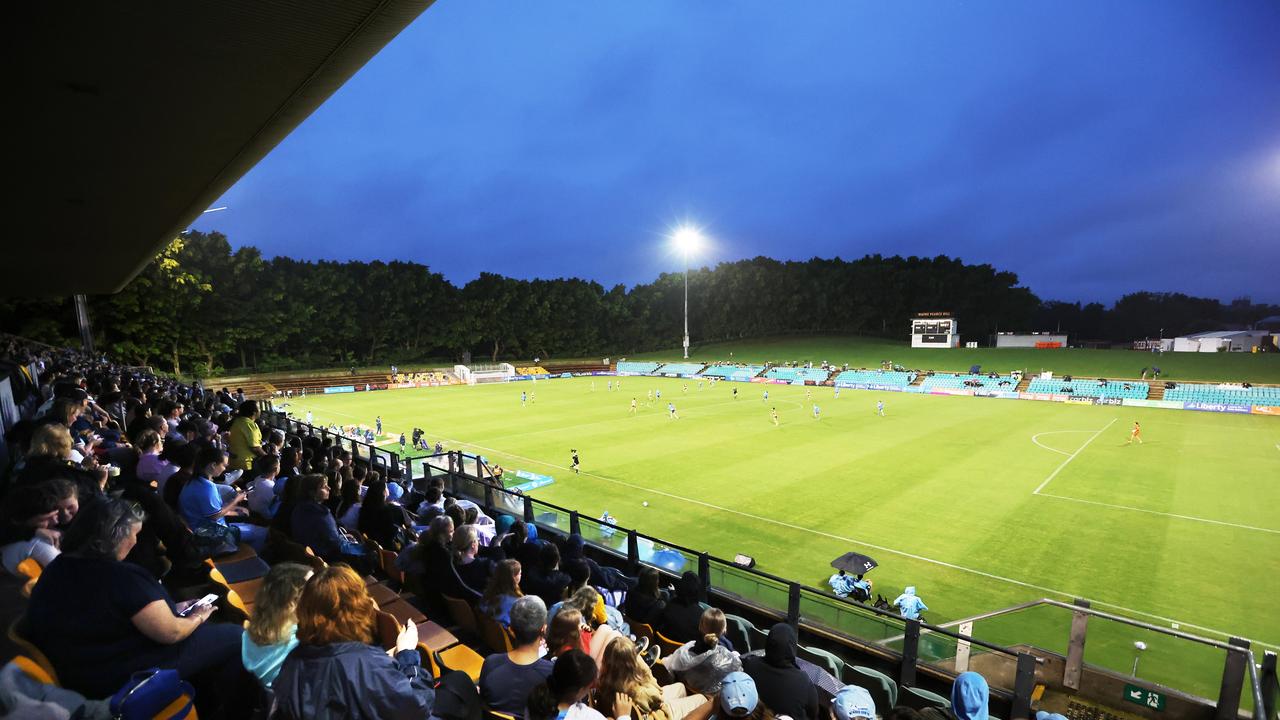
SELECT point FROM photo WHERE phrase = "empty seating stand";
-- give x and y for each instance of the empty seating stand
(968, 381)
(1224, 394)
(733, 372)
(639, 368)
(680, 368)
(895, 378)
(1083, 387)
(789, 374)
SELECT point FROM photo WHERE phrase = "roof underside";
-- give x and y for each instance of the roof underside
(134, 117)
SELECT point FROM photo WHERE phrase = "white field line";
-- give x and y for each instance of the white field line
(1072, 456)
(892, 551)
(1165, 514)
(1036, 439)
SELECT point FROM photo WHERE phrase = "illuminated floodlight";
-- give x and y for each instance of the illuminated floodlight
(687, 239)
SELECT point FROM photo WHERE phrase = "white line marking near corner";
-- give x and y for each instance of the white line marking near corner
(901, 553)
(1072, 456)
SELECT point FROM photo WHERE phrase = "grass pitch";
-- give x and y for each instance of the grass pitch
(979, 503)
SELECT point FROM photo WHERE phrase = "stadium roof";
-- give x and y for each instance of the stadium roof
(133, 117)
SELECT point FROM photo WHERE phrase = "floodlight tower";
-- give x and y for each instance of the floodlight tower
(687, 239)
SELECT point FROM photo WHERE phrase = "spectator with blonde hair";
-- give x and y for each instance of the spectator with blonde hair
(703, 663)
(623, 672)
(335, 672)
(272, 631)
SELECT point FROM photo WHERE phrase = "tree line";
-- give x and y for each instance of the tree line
(201, 307)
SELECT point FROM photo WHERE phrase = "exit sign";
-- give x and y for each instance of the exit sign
(1141, 696)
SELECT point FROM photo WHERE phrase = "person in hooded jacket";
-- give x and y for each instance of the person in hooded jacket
(970, 696)
(680, 618)
(335, 672)
(909, 604)
(783, 686)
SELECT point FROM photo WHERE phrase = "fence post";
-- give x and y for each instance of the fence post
(488, 497)
(575, 525)
(1267, 678)
(1075, 646)
(1232, 681)
(528, 509)
(704, 575)
(793, 604)
(910, 651)
(633, 551)
(1024, 684)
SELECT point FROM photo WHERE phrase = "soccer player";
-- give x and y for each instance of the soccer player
(533, 397)
(671, 411)
(1135, 434)
(775, 417)
(650, 397)
(766, 397)
(735, 393)
(808, 394)
(309, 417)
(880, 408)
(837, 397)
(699, 383)
(593, 386)
(401, 443)
(686, 388)
(609, 386)
(816, 412)
(574, 465)
(658, 393)
(524, 398)
(377, 422)
(633, 406)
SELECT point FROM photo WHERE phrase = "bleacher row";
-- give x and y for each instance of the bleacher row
(1224, 394)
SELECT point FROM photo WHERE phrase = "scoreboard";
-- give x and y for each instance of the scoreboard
(934, 330)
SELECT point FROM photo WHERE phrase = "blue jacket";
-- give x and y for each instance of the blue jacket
(353, 680)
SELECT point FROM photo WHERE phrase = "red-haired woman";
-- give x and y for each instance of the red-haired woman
(335, 672)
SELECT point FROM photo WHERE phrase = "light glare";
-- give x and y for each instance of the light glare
(687, 239)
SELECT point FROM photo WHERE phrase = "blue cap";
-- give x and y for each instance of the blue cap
(1045, 715)
(969, 696)
(738, 695)
(853, 702)
(395, 491)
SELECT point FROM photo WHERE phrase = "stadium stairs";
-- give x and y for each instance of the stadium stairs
(1156, 391)
(1023, 384)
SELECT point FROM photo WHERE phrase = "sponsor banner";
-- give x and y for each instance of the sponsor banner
(950, 391)
(1005, 395)
(564, 375)
(1108, 401)
(798, 382)
(605, 372)
(919, 390)
(1217, 407)
(1265, 410)
(1073, 400)
(514, 378)
(670, 374)
(340, 389)
(530, 480)
(628, 373)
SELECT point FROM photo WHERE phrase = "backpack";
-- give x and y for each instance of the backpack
(154, 694)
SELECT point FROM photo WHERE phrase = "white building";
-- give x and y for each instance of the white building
(1220, 341)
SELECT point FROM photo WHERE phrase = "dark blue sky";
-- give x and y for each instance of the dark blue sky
(1094, 148)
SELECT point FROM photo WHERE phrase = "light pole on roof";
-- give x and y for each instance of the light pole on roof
(687, 238)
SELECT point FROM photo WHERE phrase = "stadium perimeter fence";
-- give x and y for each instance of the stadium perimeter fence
(1010, 663)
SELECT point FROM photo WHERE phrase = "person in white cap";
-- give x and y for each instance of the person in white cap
(853, 702)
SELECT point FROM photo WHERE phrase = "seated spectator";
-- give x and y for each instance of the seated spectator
(151, 466)
(273, 627)
(27, 525)
(67, 494)
(50, 456)
(646, 603)
(970, 696)
(203, 506)
(289, 490)
(502, 592)
(183, 457)
(433, 504)
(679, 619)
(622, 672)
(99, 619)
(314, 527)
(348, 512)
(703, 663)
(507, 678)
(380, 520)
(335, 672)
(432, 563)
(784, 688)
(567, 631)
(601, 576)
(561, 696)
(853, 703)
(546, 580)
(261, 492)
(474, 571)
(909, 605)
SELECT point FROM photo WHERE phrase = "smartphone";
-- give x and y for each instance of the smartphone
(206, 600)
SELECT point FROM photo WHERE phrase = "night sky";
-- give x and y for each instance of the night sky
(1094, 148)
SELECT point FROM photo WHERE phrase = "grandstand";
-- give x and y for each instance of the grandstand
(891, 378)
(969, 381)
(816, 375)
(637, 368)
(733, 372)
(1231, 394)
(1082, 387)
(679, 369)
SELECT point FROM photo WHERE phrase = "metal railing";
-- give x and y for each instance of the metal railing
(946, 647)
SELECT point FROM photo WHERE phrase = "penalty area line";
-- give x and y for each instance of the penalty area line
(1072, 456)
